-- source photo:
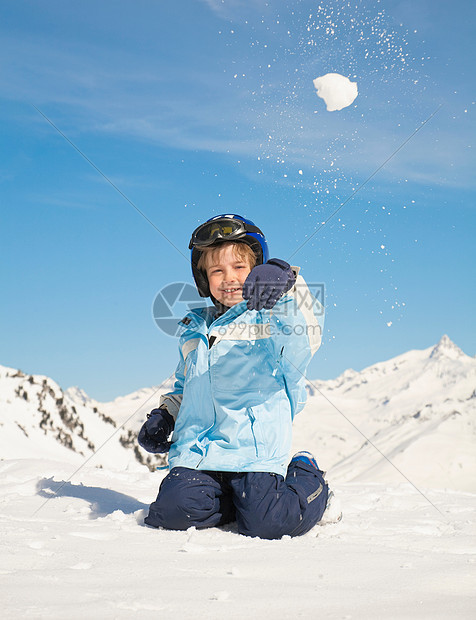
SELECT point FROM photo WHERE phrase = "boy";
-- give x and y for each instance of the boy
(239, 383)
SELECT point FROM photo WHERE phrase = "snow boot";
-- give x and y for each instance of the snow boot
(305, 457)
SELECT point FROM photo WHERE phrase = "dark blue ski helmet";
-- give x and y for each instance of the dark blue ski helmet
(220, 228)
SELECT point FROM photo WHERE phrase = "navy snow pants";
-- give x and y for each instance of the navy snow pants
(262, 504)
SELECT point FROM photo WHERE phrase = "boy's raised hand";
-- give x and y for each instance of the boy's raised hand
(155, 431)
(266, 283)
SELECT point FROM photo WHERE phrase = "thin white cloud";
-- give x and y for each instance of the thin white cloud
(229, 9)
(194, 111)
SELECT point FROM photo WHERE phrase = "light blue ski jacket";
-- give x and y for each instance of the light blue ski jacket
(240, 382)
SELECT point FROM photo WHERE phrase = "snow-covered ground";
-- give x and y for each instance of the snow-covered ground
(87, 554)
(73, 542)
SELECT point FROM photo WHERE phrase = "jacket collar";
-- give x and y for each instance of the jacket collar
(209, 314)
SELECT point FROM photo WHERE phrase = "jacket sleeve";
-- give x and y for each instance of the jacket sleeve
(172, 400)
(298, 317)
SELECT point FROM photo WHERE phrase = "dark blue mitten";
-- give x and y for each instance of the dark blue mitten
(154, 434)
(266, 283)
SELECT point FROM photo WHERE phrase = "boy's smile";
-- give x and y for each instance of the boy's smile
(226, 275)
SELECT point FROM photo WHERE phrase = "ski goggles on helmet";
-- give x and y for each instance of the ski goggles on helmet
(223, 229)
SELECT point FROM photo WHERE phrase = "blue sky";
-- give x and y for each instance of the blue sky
(193, 108)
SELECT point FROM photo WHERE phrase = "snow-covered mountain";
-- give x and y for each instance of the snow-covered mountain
(40, 420)
(417, 410)
(130, 410)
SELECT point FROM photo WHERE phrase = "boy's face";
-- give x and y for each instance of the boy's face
(226, 273)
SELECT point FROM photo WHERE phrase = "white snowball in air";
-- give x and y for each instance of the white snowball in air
(337, 91)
